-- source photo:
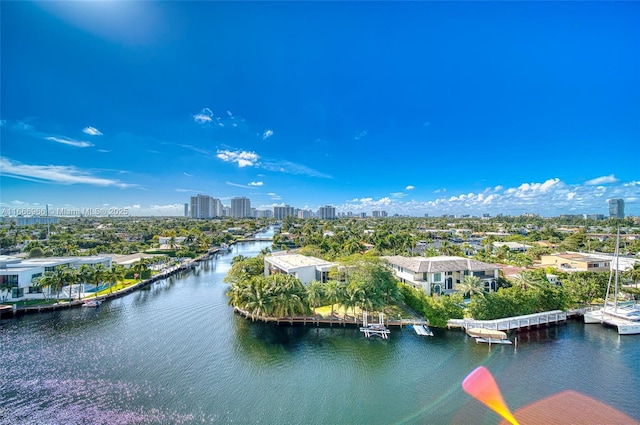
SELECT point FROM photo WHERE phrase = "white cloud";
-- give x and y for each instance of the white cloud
(409, 188)
(187, 174)
(70, 142)
(548, 198)
(398, 195)
(267, 134)
(230, 114)
(61, 174)
(242, 158)
(256, 184)
(204, 116)
(602, 180)
(92, 131)
(245, 186)
(360, 135)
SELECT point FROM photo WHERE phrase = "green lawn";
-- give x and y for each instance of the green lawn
(391, 311)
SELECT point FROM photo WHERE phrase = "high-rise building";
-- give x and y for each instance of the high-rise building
(327, 213)
(204, 206)
(616, 208)
(186, 210)
(240, 207)
(305, 213)
(281, 212)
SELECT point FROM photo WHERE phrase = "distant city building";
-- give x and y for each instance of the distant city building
(28, 221)
(595, 216)
(263, 214)
(280, 212)
(204, 206)
(305, 214)
(379, 214)
(616, 208)
(327, 213)
(240, 207)
(186, 210)
(226, 211)
(363, 215)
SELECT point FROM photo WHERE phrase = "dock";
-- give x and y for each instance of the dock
(374, 329)
(422, 330)
(506, 324)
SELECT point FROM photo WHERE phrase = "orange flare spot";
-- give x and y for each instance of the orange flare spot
(481, 385)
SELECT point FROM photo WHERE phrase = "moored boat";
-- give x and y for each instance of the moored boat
(92, 303)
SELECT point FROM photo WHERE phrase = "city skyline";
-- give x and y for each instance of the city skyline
(411, 108)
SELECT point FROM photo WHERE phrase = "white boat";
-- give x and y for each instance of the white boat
(625, 318)
(91, 303)
(486, 333)
(422, 330)
(488, 336)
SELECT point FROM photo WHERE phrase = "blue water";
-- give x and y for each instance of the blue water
(176, 353)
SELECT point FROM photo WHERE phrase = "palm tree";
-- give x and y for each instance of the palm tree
(85, 274)
(470, 285)
(113, 276)
(333, 294)
(54, 280)
(525, 280)
(98, 276)
(315, 294)
(139, 268)
(71, 277)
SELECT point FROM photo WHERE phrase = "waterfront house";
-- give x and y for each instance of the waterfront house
(18, 274)
(440, 274)
(302, 267)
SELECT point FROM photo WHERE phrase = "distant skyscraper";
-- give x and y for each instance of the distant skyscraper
(204, 206)
(281, 212)
(305, 214)
(616, 208)
(240, 207)
(327, 213)
(186, 210)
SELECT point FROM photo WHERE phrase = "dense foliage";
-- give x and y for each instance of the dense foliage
(364, 284)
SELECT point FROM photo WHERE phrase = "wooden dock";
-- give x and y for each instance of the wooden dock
(508, 323)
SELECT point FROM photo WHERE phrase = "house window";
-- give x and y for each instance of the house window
(17, 292)
(9, 280)
(466, 273)
(437, 277)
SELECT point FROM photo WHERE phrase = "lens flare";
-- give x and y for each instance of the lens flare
(481, 385)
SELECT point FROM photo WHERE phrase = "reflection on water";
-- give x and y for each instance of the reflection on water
(176, 353)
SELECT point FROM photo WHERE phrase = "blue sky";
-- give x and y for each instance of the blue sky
(414, 108)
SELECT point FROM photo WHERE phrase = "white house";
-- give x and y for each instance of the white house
(513, 246)
(304, 268)
(440, 274)
(19, 274)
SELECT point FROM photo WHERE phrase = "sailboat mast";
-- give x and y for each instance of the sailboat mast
(617, 255)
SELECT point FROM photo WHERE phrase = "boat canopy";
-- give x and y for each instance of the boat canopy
(486, 333)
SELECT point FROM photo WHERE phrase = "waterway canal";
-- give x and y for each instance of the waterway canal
(175, 353)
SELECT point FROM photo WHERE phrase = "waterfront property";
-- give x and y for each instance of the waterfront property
(439, 274)
(305, 268)
(18, 274)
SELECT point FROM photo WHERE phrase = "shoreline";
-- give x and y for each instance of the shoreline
(185, 265)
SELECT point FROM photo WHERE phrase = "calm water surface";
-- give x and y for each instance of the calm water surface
(176, 353)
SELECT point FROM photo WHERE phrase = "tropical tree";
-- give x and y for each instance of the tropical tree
(113, 275)
(98, 275)
(471, 285)
(315, 294)
(139, 267)
(333, 293)
(525, 280)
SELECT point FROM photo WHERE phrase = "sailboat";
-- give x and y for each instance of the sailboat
(625, 318)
